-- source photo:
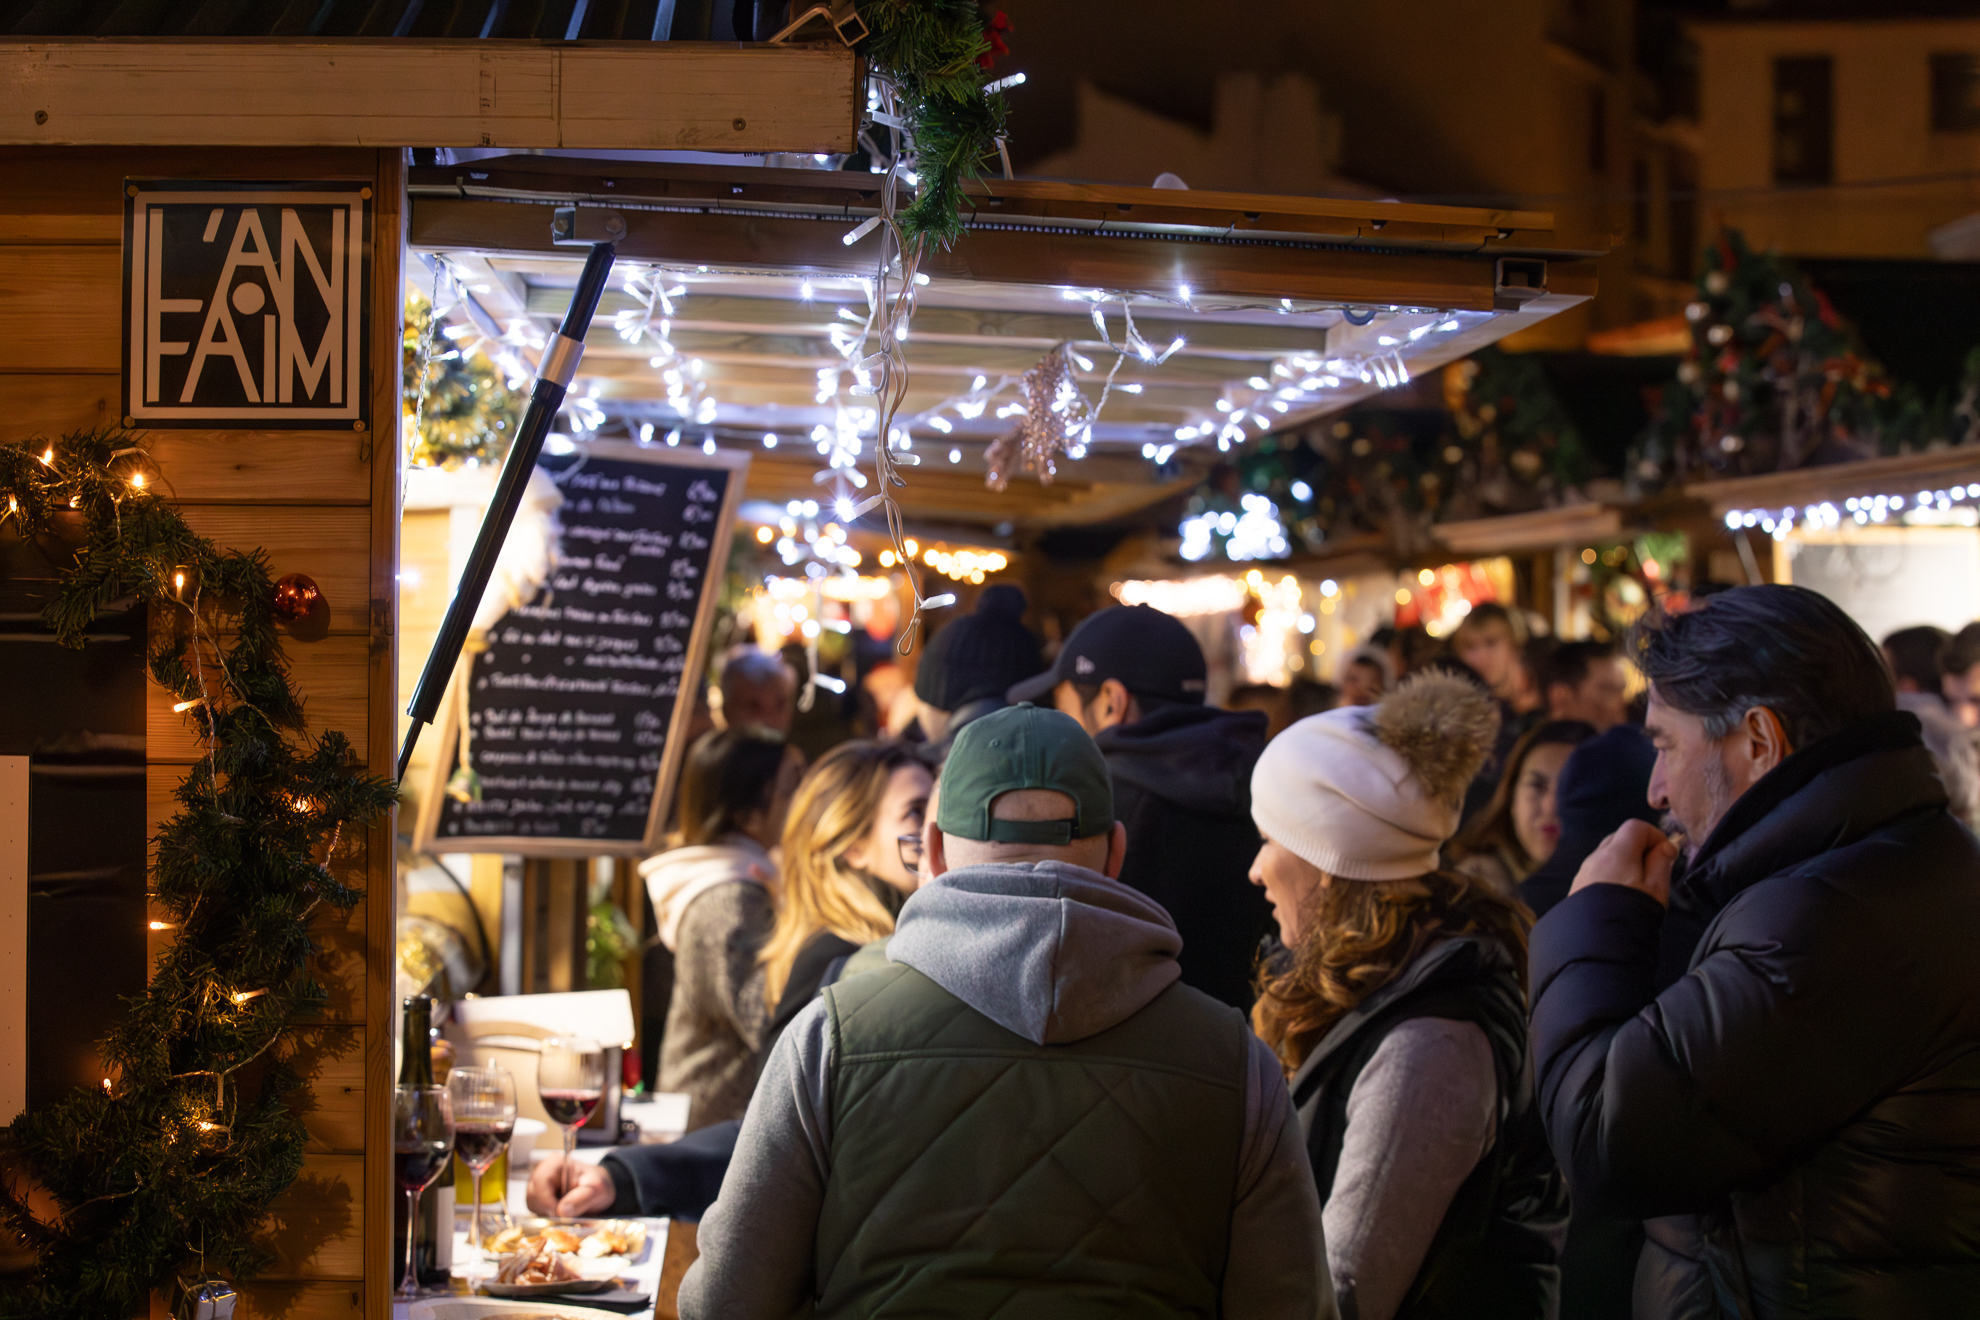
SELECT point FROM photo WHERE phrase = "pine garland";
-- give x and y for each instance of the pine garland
(164, 1177)
(936, 53)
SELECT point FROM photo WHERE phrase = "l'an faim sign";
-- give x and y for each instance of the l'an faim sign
(244, 304)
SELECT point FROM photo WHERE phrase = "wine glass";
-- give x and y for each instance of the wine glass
(570, 1080)
(422, 1143)
(484, 1101)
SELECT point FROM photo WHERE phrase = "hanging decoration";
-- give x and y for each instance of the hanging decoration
(933, 56)
(1057, 421)
(294, 598)
(1775, 379)
(943, 122)
(161, 1178)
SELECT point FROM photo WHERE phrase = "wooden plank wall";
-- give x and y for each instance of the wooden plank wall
(321, 503)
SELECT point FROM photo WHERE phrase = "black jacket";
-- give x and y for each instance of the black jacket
(1808, 1093)
(1494, 1255)
(1182, 786)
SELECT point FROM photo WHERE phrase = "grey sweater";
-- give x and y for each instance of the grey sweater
(717, 1017)
(1048, 951)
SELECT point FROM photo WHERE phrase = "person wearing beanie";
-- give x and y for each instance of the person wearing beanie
(973, 661)
(1135, 679)
(1398, 1009)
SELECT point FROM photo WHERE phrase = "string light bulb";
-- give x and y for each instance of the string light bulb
(183, 706)
(137, 481)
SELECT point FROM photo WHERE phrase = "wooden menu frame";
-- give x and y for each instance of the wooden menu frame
(426, 832)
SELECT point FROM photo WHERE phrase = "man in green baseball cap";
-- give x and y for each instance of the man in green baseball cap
(1024, 1110)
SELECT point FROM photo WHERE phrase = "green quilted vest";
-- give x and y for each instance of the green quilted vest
(977, 1174)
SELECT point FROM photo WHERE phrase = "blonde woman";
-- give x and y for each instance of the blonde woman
(1399, 1012)
(852, 847)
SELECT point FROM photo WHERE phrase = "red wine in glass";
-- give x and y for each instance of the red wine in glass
(570, 1081)
(569, 1107)
(480, 1143)
(418, 1163)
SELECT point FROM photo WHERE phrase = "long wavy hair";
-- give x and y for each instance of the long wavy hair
(1492, 831)
(833, 811)
(1361, 934)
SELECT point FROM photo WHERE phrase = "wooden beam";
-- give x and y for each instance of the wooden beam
(728, 314)
(748, 389)
(1093, 490)
(1353, 277)
(1542, 529)
(1902, 474)
(666, 95)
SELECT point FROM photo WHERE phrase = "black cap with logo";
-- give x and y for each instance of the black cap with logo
(1151, 653)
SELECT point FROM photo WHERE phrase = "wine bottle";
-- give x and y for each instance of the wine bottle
(439, 1198)
(433, 1240)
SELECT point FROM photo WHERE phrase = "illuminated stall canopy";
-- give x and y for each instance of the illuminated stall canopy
(1190, 322)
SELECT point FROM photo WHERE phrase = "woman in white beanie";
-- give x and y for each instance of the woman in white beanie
(1399, 1011)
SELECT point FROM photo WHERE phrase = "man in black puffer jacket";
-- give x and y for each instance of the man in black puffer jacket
(1798, 1114)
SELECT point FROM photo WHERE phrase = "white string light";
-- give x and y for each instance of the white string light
(1923, 507)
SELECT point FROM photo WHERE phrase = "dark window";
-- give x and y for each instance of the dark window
(1804, 120)
(1639, 200)
(1683, 194)
(1955, 93)
(1598, 130)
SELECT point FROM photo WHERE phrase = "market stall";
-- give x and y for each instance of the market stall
(261, 185)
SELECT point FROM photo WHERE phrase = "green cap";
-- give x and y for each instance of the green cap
(1024, 746)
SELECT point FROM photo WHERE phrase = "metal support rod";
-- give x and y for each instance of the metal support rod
(553, 378)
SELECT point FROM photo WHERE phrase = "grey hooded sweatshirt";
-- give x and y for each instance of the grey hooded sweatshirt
(1054, 953)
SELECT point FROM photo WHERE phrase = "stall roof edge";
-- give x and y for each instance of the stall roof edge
(745, 189)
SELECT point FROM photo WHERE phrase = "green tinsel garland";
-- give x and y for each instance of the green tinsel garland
(468, 410)
(934, 52)
(166, 1176)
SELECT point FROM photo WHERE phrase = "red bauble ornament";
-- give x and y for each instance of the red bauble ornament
(993, 32)
(295, 598)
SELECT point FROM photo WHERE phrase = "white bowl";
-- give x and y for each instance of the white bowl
(528, 1132)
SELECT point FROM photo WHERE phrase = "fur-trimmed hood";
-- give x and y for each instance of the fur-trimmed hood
(1373, 793)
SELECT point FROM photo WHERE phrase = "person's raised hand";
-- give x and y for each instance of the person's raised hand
(1637, 856)
(591, 1190)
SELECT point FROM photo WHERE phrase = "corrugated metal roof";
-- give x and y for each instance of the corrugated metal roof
(565, 20)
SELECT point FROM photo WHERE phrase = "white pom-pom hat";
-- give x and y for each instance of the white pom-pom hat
(1373, 792)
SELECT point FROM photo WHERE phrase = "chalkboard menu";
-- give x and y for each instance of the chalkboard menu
(577, 706)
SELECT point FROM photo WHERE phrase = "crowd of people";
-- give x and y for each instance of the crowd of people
(1498, 989)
